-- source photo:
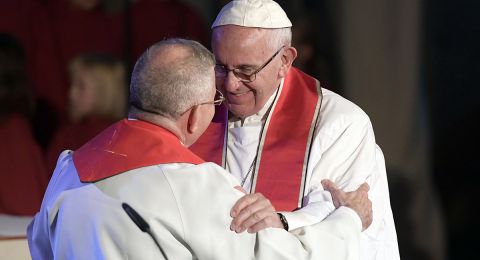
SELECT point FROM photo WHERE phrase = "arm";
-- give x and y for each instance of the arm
(205, 198)
(38, 231)
(343, 151)
(335, 226)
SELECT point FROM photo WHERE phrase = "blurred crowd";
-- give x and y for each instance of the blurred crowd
(64, 68)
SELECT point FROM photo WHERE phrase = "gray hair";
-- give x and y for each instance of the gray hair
(279, 37)
(169, 88)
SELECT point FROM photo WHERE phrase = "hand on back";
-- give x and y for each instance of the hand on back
(357, 200)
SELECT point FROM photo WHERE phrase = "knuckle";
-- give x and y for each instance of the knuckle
(251, 198)
(257, 216)
(248, 211)
(266, 222)
(271, 208)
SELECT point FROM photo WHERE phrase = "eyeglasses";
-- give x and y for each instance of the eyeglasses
(221, 71)
(216, 102)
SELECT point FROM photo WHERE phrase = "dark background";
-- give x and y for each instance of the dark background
(449, 68)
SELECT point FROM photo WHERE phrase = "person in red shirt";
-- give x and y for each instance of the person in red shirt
(97, 98)
(23, 175)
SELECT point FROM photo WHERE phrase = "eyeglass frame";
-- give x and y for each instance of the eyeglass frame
(236, 70)
(215, 102)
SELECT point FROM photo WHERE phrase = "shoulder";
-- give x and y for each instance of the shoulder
(64, 177)
(338, 113)
(172, 181)
(205, 176)
(206, 184)
(336, 107)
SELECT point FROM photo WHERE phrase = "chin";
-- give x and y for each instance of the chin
(240, 111)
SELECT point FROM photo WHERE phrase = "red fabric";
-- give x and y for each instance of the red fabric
(77, 31)
(71, 32)
(23, 177)
(55, 32)
(27, 21)
(154, 20)
(72, 137)
(283, 155)
(127, 145)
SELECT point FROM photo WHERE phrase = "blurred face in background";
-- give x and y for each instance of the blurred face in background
(98, 88)
(83, 94)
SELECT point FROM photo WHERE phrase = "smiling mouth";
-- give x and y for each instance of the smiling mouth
(239, 94)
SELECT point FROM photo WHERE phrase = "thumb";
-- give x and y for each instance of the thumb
(364, 187)
(328, 185)
(337, 194)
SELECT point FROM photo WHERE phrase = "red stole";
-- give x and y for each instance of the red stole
(284, 148)
(128, 145)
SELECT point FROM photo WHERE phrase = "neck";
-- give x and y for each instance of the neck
(161, 121)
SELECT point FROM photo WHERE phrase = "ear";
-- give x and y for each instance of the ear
(193, 120)
(288, 56)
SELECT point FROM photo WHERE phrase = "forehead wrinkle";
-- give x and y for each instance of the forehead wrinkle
(249, 40)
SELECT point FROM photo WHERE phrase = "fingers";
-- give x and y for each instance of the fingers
(369, 217)
(329, 185)
(270, 220)
(364, 187)
(253, 212)
(244, 202)
(364, 210)
(358, 201)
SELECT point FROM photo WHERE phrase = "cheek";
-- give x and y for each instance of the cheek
(211, 113)
(73, 95)
(84, 101)
(257, 91)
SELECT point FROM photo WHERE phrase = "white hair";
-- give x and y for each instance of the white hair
(279, 37)
(171, 89)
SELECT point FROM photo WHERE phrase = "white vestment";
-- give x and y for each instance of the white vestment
(188, 209)
(344, 151)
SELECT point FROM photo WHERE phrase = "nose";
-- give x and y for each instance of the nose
(231, 83)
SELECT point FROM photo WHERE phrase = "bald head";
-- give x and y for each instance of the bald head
(172, 76)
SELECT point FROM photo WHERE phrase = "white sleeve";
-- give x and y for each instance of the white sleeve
(337, 237)
(38, 232)
(204, 198)
(343, 152)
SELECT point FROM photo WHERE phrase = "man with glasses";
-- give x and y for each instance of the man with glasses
(283, 134)
(142, 165)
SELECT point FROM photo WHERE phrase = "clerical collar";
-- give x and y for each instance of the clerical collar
(260, 116)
